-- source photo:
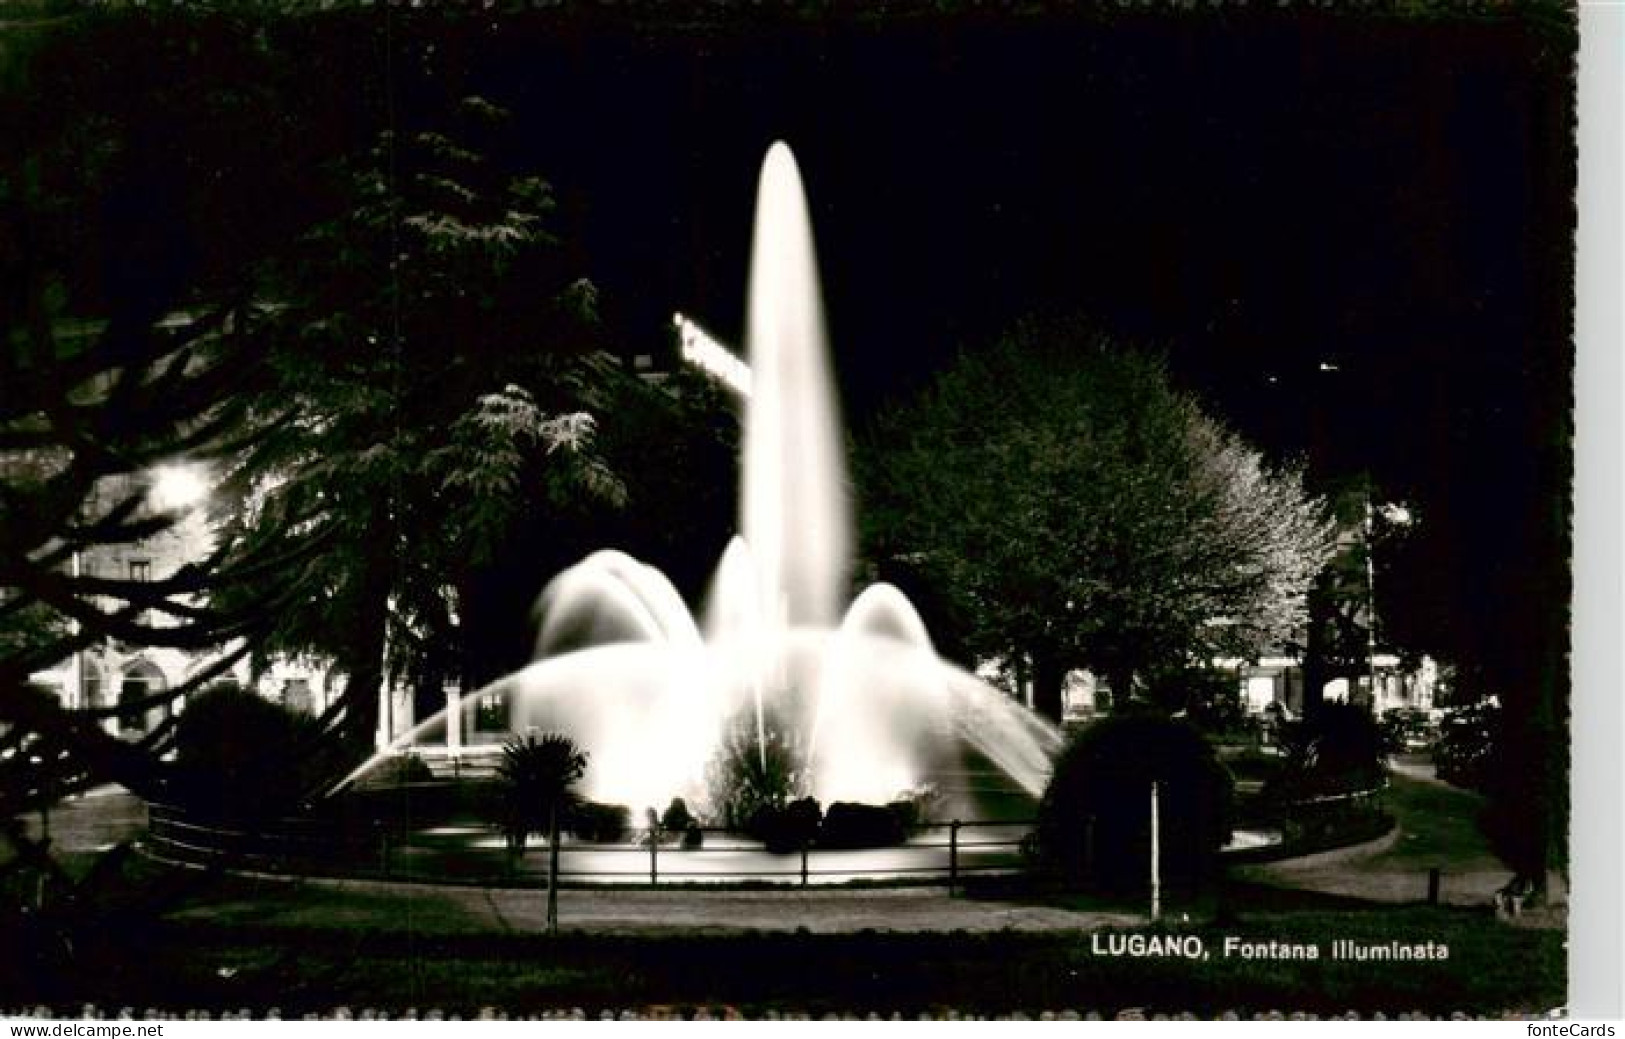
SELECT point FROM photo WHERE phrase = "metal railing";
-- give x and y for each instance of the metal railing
(477, 854)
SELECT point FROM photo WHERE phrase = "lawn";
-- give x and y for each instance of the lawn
(339, 954)
(1439, 827)
(1492, 969)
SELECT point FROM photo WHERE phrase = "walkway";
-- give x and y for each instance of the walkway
(427, 910)
(1437, 829)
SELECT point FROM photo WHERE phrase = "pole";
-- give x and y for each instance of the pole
(78, 699)
(454, 722)
(953, 856)
(654, 855)
(804, 845)
(1371, 600)
(553, 869)
(1156, 858)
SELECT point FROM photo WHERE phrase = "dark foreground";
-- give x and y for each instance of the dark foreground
(141, 936)
(183, 960)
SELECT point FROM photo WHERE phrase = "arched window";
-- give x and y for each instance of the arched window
(141, 679)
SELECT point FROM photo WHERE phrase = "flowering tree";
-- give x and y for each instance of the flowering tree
(1071, 509)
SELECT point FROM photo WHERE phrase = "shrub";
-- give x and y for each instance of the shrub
(918, 806)
(600, 823)
(749, 779)
(1094, 821)
(1333, 824)
(693, 837)
(401, 770)
(851, 825)
(786, 829)
(677, 818)
(1339, 750)
(534, 791)
(239, 756)
(1466, 740)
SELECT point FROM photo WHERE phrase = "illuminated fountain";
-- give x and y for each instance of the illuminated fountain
(622, 667)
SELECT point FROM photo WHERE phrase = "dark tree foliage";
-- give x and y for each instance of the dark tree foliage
(1094, 821)
(1073, 510)
(434, 389)
(128, 235)
(1463, 752)
(1339, 749)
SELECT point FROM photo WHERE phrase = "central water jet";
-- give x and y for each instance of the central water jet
(622, 668)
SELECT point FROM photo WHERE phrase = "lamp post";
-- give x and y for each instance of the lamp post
(1156, 856)
(1400, 516)
(1371, 598)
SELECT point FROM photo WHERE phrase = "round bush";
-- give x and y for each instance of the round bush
(599, 823)
(1094, 821)
(238, 756)
(677, 818)
(848, 824)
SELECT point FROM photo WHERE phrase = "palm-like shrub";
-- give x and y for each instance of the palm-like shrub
(536, 781)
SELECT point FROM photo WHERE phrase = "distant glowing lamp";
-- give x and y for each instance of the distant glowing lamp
(177, 488)
(1396, 514)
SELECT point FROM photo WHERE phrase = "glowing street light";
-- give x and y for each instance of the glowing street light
(177, 488)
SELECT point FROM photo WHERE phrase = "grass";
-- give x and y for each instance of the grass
(130, 949)
(1440, 825)
(136, 952)
(1492, 970)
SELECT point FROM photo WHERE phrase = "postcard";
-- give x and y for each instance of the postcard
(721, 510)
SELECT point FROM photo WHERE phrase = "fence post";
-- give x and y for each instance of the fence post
(953, 857)
(1433, 886)
(1156, 858)
(383, 848)
(804, 845)
(654, 856)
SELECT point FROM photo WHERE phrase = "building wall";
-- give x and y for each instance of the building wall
(112, 673)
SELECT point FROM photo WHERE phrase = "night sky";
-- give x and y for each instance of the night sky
(1253, 195)
(1349, 232)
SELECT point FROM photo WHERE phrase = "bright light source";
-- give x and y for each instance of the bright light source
(176, 488)
(711, 356)
(1327, 366)
(1396, 514)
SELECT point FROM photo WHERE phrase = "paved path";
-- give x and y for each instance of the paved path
(439, 910)
(1437, 829)
(85, 825)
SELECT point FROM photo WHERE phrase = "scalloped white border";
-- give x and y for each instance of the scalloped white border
(1597, 903)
